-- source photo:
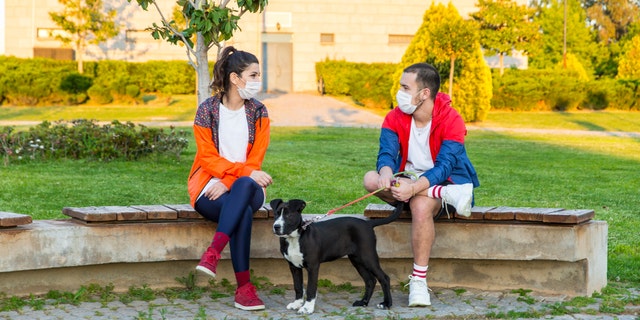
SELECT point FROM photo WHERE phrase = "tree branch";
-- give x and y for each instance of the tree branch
(190, 50)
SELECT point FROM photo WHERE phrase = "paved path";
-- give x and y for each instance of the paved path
(446, 304)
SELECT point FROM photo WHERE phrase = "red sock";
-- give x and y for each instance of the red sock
(220, 241)
(435, 192)
(243, 277)
(420, 271)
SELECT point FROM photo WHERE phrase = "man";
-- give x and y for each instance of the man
(422, 161)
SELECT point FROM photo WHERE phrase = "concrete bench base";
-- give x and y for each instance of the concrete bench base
(63, 255)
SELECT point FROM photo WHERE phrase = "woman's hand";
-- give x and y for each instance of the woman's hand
(215, 191)
(262, 178)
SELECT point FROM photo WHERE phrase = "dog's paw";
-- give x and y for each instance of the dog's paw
(360, 303)
(383, 306)
(308, 307)
(295, 305)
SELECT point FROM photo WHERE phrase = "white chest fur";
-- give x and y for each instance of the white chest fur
(293, 254)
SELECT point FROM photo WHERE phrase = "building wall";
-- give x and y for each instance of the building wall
(361, 31)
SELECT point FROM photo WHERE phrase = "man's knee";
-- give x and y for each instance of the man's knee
(370, 180)
(424, 208)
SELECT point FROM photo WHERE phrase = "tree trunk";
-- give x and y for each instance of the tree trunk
(451, 68)
(80, 59)
(203, 91)
(501, 59)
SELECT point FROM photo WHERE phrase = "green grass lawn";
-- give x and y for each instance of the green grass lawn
(324, 166)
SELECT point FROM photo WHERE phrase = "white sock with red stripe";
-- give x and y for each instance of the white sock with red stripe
(435, 192)
(419, 272)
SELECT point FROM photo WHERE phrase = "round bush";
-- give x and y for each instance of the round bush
(100, 94)
(132, 90)
(76, 83)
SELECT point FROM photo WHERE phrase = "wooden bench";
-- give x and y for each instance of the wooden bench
(551, 250)
(498, 214)
(498, 248)
(142, 213)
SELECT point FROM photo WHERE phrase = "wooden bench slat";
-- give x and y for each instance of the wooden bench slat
(569, 216)
(90, 214)
(477, 213)
(10, 219)
(534, 214)
(185, 211)
(157, 212)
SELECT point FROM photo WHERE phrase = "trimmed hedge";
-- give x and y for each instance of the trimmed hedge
(367, 83)
(558, 90)
(53, 82)
(517, 90)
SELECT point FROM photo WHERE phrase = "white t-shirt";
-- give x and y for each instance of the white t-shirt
(419, 155)
(233, 138)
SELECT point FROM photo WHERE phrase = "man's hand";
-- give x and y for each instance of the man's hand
(386, 178)
(403, 190)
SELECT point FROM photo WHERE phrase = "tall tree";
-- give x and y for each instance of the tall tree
(451, 39)
(506, 26)
(472, 86)
(84, 22)
(611, 18)
(581, 39)
(210, 23)
(629, 67)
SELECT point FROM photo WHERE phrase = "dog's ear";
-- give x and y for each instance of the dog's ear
(297, 205)
(275, 203)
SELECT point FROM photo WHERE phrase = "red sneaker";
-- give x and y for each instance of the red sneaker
(247, 298)
(209, 262)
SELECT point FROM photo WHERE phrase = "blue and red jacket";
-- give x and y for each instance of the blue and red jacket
(446, 141)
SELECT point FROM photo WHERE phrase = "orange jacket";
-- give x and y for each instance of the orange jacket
(208, 163)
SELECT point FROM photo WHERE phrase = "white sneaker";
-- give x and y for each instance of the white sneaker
(418, 292)
(459, 196)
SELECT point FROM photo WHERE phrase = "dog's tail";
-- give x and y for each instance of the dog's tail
(396, 213)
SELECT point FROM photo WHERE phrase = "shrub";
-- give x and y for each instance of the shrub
(100, 94)
(76, 83)
(132, 90)
(86, 139)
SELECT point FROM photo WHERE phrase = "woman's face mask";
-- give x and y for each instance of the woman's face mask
(251, 88)
(404, 102)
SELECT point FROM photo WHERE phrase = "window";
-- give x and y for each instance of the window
(54, 53)
(402, 39)
(50, 33)
(326, 38)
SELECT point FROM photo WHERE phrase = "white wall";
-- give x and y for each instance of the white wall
(2, 27)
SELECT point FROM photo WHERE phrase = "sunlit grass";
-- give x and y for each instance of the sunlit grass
(174, 108)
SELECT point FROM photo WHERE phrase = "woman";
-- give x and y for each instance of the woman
(226, 183)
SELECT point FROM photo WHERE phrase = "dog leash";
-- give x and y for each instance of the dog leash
(332, 211)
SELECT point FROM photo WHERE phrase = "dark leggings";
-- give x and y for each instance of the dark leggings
(233, 211)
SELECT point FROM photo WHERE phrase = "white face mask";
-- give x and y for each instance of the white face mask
(251, 88)
(404, 102)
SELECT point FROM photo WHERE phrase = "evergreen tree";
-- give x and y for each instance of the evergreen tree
(471, 82)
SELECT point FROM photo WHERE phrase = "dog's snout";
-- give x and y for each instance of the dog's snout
(277, 229)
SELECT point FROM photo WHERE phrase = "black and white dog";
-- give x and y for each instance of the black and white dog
(308, 246)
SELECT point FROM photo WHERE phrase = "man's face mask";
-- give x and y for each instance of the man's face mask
(404, 102)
